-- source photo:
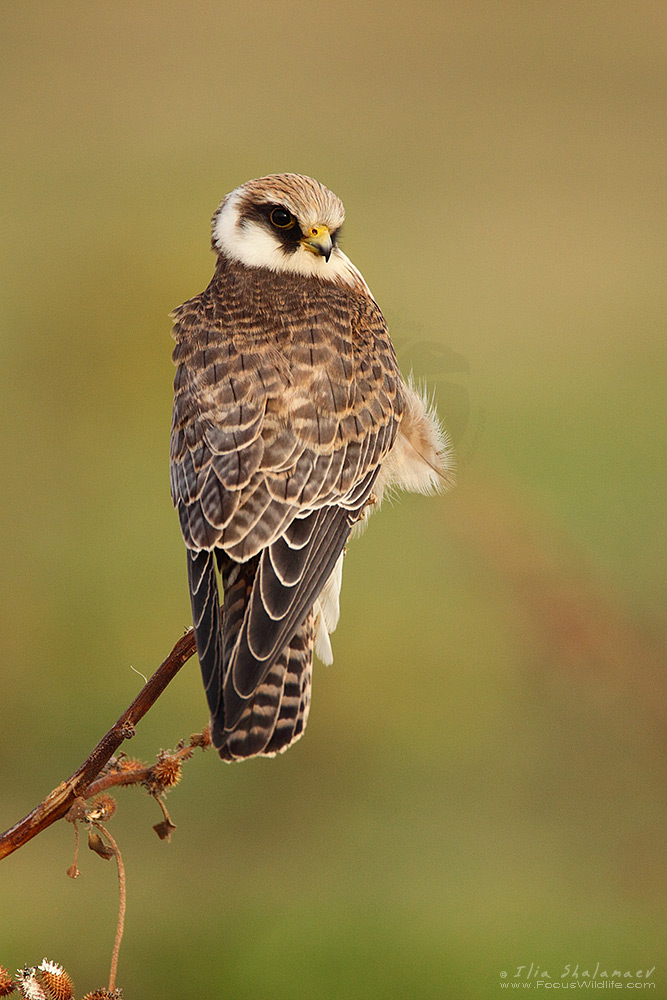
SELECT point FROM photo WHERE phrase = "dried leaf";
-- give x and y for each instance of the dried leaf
(95, 843)
(76, 811)
(164, 829)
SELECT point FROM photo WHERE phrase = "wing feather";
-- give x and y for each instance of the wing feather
(206, 621)
(243, 425)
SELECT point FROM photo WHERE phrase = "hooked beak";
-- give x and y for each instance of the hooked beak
(318, 240)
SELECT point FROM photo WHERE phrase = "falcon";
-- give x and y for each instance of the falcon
(290, 421)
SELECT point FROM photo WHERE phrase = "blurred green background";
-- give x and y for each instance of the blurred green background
(481, 785)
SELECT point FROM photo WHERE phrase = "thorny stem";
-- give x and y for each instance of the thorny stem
(122, 902)
(58, 802)
(134, 777)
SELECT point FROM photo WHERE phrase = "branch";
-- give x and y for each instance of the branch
(58, 802)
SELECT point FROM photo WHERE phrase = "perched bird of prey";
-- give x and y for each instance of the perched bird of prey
(291, 419)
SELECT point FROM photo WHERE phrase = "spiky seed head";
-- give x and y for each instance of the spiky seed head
(166, 772)
(6, 982)
(56, 980)
(101, 808)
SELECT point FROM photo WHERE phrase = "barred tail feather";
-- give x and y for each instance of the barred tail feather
(276, 715)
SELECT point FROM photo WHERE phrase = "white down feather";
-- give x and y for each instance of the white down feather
(327, 612)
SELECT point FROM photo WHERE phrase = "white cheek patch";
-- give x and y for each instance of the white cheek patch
(245, 241)
(255, 246)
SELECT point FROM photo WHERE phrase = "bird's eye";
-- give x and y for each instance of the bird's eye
(282, 219)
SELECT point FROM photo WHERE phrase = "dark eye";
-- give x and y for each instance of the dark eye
(282, 219)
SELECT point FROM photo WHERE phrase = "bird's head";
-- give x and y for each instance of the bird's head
(284, 222)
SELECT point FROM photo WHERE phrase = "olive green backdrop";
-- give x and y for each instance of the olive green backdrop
(481, 785)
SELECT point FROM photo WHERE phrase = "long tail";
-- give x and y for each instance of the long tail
(276, 714)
